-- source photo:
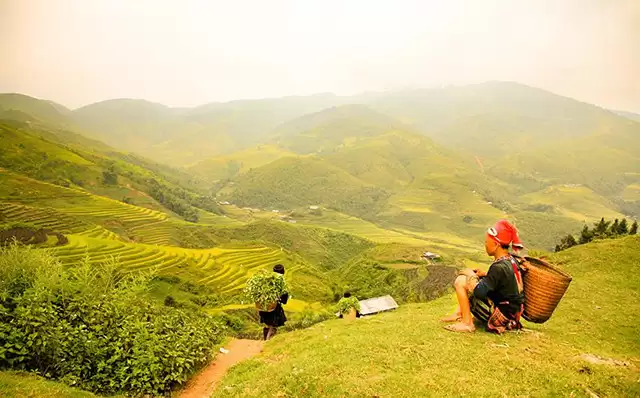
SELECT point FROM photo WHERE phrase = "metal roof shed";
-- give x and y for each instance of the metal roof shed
(377, 304)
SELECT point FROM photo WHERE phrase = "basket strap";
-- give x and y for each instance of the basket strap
(516, 271)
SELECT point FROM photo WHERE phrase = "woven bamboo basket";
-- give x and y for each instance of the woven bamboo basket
(544, 286)
(351, 315)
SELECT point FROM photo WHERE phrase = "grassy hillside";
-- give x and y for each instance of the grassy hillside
(408, 353)
(26, 385)
(44, 155)
(606, 163)
(228, 166)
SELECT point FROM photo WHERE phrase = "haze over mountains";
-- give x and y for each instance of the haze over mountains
(445, 160)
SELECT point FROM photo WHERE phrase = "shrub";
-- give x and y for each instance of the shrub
(346, 304)
(169, 301)
(94, 327)
(265, 288)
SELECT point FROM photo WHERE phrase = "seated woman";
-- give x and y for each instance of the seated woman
(495, 297)
(276, 318)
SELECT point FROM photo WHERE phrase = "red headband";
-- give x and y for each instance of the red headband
(505, 234)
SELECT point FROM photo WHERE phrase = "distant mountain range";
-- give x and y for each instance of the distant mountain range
(484, 119)
(447, 160)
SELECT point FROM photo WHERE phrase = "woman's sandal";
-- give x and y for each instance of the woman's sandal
(461, 328)
(451, 318)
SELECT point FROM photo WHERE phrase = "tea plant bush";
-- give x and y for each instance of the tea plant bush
(95, 328)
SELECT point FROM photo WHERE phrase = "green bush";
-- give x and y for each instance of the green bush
(95, 328)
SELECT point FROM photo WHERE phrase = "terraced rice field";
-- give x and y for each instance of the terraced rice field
(111, 212)
(356, 226)
(42, 217)
(226, 270)
(71, 210)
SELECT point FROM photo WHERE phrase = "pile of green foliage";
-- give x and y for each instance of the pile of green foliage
(346, 304)
(601, 230)
(95, 328)
(265, 288)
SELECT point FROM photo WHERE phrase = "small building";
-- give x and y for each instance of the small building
(377, 304)
(430, 255)
(314, 207)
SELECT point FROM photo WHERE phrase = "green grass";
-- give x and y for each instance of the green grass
(26, 385)
(407, 353)
(229, 166)
(577, 202)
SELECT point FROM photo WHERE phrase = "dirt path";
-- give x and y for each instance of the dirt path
(203, 384)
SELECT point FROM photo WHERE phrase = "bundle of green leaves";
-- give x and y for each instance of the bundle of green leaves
(346, 304)
(265, 288)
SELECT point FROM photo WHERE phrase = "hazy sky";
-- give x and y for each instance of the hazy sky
(184, 53)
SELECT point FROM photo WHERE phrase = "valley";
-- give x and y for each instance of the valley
(346, 192)
(368, 171)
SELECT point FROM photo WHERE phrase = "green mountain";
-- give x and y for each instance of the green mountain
(303, 181)
(606, 163)
(183, 136)
(325, 130)
(495, 118)
(628, 115)
(25, 108)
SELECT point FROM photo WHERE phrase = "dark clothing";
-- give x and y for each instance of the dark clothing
(481, 309)
(503, 286)
(277, 317)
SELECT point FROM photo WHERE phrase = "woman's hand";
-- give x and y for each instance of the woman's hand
(479, 273)
(467, 272)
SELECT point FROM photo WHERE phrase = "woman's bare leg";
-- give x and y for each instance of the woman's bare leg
(463, 299)
(456, 316)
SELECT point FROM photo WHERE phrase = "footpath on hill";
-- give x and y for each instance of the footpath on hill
(589, 348)
(205, 382)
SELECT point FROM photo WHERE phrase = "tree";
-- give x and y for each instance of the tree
(566, 242)
(613, 230)
(623, 228)
(600, 228)
(586, 235)
(634, 228)
(570, 241)
(109, 177)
